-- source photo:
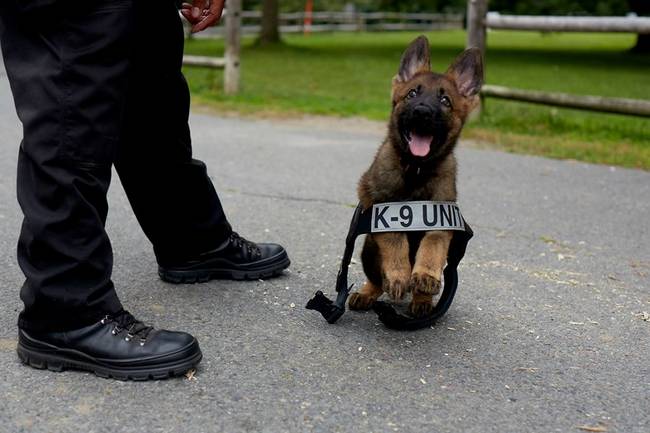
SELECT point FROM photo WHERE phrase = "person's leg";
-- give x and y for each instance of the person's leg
(170, 192)
(68, 89)
(68, 71)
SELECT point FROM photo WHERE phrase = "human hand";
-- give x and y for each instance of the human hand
(202, 14)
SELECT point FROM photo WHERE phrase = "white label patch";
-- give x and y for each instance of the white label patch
(416, 216)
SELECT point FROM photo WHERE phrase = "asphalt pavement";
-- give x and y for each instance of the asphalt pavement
(549, 331)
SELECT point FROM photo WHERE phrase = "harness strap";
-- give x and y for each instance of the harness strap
(361, 224)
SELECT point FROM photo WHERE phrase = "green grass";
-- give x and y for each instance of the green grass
(348, 74)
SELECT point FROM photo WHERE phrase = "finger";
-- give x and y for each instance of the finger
(197, 7)
(206, 22)
(216, 10)
(187, 13)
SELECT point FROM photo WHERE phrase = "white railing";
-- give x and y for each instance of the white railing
(479, 20)
(301, 22)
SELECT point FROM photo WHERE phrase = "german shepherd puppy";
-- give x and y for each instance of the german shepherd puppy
(416, 162)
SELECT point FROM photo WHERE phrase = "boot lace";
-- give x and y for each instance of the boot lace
(124, 321)
(239, 242)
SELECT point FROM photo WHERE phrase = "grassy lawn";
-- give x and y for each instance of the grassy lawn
(348, 74)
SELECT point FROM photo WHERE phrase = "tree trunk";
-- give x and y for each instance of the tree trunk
(641, 8)
(642, 44)
(270, 33)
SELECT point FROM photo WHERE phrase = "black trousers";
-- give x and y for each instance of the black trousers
(98, 84)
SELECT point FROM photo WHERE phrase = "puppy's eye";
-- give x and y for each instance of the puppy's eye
(412, 94)
(444, 100)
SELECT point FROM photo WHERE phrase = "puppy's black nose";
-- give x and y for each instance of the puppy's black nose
(422, 111)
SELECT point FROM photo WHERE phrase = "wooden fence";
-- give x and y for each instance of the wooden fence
(301, 22)
(479, 20)
(230, 62)
(240, 22)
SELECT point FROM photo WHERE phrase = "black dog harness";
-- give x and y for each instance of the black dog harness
(392, 217)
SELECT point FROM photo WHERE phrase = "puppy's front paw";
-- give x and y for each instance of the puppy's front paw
(424, 283)
(421, 306)
(396, 288)
(360, 301)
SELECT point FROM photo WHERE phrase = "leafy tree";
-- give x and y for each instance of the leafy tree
(561, 7)
(271, 8)
(522, 7)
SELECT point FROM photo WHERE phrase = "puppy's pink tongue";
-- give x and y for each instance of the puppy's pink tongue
(419, 145)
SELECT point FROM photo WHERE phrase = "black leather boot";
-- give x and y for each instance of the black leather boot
(237, 259)
(119, 346)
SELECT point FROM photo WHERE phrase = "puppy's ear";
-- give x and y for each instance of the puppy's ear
(467, 72)
(415, 59)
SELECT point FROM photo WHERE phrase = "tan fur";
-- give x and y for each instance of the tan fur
(427, 272)
(396, 267)
(363, 299)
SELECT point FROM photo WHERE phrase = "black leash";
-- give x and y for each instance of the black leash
(361, 224)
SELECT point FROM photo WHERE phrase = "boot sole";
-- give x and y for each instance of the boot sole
(58, 360)
(230, 271)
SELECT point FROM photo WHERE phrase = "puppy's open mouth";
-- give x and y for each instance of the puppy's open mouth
(419, 145)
